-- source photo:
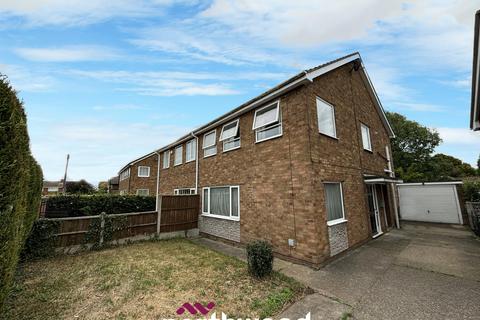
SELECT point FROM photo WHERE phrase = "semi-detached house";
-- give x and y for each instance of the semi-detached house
(306, 166)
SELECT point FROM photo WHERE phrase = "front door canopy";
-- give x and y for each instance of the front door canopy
(379, 179)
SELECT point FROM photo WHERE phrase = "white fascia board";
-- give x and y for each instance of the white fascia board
(332, 66)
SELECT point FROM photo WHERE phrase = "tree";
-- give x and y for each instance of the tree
(103, 187)
(79, 187)
(412, 146)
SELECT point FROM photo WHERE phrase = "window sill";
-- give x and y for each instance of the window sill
(368, 150)
(335, 222)
(328, 136)
(270, 138)
(144, 176)
(220, 217)
(210, 155)
(190, 161)
(231, 149)
(176, 165)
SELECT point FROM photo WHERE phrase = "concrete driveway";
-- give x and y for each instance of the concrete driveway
(419, 272)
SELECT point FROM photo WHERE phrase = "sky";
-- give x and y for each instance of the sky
(109, 81)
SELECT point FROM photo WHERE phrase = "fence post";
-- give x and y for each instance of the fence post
(159, 214)
(102, 227)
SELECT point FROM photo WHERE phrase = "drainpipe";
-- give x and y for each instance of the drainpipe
(158, 180)
(196, 162)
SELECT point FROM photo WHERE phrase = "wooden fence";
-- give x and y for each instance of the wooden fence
(178, 213)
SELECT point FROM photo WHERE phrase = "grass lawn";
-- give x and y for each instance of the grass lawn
(148, 280)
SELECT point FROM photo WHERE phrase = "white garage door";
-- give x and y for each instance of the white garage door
(429, 203)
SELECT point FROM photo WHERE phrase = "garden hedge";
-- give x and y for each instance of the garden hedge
(20, 184)
(85, 205)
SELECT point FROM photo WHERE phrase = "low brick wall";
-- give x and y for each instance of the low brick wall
(221, 228)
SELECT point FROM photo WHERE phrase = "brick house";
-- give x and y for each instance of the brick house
(305, 166)
(139, 176)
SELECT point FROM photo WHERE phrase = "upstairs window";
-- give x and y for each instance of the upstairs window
(143, 171)
(230, 136)
(178, 156)
(184, 191)
(210, 144)
(267, 122)
(191, 150)
(326, 118)
(166, 159)
(367, 143)
(125, 174)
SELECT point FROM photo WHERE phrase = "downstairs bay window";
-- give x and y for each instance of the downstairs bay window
(221, 202)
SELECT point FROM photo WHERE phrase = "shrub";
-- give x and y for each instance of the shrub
(42, 240)
(20, 184)
(86, 205)
(260, 258)
(471, 190)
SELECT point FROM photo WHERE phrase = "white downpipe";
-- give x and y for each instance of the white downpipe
(158, 180)
(196, 162)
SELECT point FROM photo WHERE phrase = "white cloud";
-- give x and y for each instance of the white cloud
(97, 148)
(23, 79)
(462, 136)
(80, 12)
(68, 54)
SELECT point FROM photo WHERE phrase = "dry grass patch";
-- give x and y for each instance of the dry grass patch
(147, 280)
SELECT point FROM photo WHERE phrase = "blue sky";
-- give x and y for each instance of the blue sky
(110, 81)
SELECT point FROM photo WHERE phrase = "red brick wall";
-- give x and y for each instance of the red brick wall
(134, 182)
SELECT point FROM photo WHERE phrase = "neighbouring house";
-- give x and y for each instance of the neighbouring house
(475, 105)
(139, 176)
(113, 185)
(305, 166)
(51, 188)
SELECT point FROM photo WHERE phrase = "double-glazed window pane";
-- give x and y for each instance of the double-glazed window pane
(266, 116)
(333, 199)
(234, 201)
(220, 201)
(142, 192)
(367, 144)
(229, 130)
(166, 159)
(326, 118)
(190, 150)
(205, 200)
(209, 144)
(143, 171)
(231, 143)
(271, 131)
(178, 155)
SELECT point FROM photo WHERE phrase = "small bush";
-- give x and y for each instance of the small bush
(471, 191)
(42, 240)
(260, 258)
(87, 205)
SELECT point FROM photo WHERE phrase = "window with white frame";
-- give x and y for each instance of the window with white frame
(326, 118)
(222, 202)
(125, 174)
(143, 171)
(334, 202)
(230, 136)
(166, 159)
(210, 144)
(143, 192)
(178, 156)
(191, 150)
(123, 192)
(267, 122)
(184, 191)
(367, 143)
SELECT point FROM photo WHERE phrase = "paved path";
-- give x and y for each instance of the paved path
(419, 272)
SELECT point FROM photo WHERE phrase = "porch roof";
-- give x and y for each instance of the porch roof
(380, 179)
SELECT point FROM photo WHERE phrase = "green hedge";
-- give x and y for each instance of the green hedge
(85, 205)
(471, 191)
(20, 184)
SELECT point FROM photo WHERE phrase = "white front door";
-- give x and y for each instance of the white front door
(374, 211)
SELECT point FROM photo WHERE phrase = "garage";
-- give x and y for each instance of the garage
(430, 202)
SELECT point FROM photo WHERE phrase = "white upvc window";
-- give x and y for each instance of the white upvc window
(326, 118)
(334, 203)
(178, 156)
(184, 191)
(125, 174)
(209, 144)
(221, 202)
(230, 136)
(143, 192)
(166, 159)
(267, 122)
(367, 143)
(191, 150)
(143, 171)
